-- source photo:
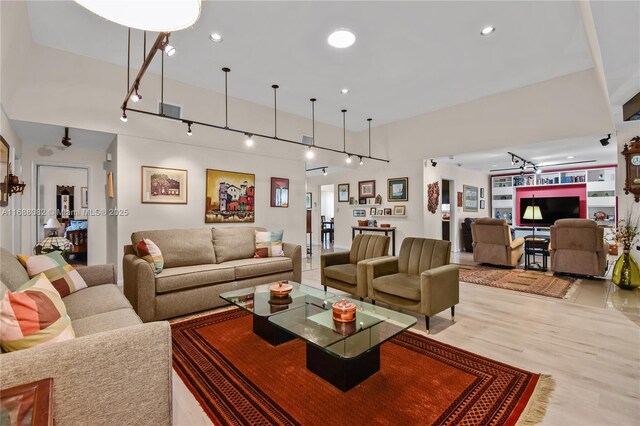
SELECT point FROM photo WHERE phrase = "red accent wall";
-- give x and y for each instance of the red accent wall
(572, 190)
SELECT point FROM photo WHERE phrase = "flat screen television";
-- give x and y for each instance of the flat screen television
(551, 209)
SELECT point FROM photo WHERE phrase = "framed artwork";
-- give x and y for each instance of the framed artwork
(387, 212)
(399, 210)
(4, 172)
(343, 192)
(84, 200)
(372, 211)
(362, 201)
(470, 198)
(230, 197)
(481, 204)
(380, 212)
(367, 189)
(308, 200)
(398, 189)
(482, 193)
(459, 199)
(161, 185)
(359, 213)
(352, 200)
(279, 192)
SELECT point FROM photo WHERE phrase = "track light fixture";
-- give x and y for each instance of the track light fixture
(324, 172)
(310, 154)
(605, 141)
(66, 140)
(361, 161)
(136, 97)
(167, 48)
(189, 132)
(434, 162)
(323, 168)
(123, 117)
(348, 160)
(249, 141)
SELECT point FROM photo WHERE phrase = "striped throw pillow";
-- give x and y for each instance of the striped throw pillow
(63, 276)
(269, 244)
(33, 315)
(149, 251)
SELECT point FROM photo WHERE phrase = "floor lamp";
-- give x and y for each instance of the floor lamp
(533, 213)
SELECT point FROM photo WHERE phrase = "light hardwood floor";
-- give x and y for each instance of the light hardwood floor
(589, 343)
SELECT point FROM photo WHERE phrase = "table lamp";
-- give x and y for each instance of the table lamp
(52, 226)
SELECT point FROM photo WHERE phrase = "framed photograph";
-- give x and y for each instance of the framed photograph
(470, 198)
(359, 213)
(161, 185)
(481, 204)
(387, 212)
(399, 210)
(372, 211)
(362, 201)
(343, 192)
(4, 172)
(279, 192)
(482, 193)
(367, 189)
(459, 199)
(308, 200)
(230, 197)
(398, 189)
(84, 200)
(353, 201)
(380, 212)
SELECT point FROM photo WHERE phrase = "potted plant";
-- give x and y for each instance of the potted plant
(626, 273)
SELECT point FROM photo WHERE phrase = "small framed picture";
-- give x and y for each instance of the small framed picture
(398, 189)
(359, 213)
(353, 201)
(470, 198)
(343, 193)
(362, 201)
(387, 212)
(308, 200)
(380, 212)
(399, 210)
(366, 189)
(482, 194)
(372, 211)
(459, 199)
(84, 200)
(481, 204)
(162, 185)
(279, 192)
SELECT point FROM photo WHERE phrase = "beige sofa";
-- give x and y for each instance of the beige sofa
(199, 265)
(578, 247)
(492, 243)
(116, 371)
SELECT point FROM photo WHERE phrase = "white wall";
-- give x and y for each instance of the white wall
(460, 176)
(10, 224)
(410, 226)
(134, 152)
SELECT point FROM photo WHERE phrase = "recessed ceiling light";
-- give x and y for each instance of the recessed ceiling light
(344, 91)
(571, 157)
(487, 30)
(215, 37)
(341, 39)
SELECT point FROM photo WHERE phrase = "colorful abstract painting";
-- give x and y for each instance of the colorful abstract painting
(230, 197)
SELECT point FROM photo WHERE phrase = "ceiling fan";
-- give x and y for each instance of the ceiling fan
(66, 140)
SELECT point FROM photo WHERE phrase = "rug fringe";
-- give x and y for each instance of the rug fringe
(538, 403)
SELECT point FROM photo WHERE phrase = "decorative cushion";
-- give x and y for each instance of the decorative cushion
(150, 252)
(269, 244)
(34, 315)
(63, 276)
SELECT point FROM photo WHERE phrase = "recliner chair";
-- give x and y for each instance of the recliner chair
(492, 243)
(578, 247)
(346, 270)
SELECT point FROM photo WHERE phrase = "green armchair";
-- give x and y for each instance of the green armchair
(420, 279)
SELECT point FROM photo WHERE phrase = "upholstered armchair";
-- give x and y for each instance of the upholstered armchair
(578, 247)
(420, 279)
(492, 243)
(345, 270)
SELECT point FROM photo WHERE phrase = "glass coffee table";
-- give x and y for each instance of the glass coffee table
(344, 354)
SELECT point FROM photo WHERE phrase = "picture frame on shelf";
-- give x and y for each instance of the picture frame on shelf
(353, 201)
(359, 213)
(366, 189)
(482, 205)
(308, 200)
(399, 210)
(230, 197)
(163, 185)
(470, 196)
(372, 211)
(362, 201)
(398, 189)
(380, 212)
(387, 212)
(482, 194)
(279, 192)
(343, 192)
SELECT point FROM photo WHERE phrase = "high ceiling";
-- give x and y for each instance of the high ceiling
(409, 57)
(49, 135)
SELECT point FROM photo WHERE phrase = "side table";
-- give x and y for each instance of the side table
(536, 246)
(28, 404)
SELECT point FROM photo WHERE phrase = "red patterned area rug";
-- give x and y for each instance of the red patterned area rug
(532, 282)
(238, 378)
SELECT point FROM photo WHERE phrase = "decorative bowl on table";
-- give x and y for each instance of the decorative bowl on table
(280, 289)
(385, 225)
(363, 223)
(344, 311)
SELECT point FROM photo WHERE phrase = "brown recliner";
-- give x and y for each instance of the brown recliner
(578, 247)
(420, 279)
(346, 271)
(492, 243)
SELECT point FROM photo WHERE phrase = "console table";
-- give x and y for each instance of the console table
(385, 231)
(538, 246)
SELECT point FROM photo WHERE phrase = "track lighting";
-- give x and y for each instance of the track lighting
(538, 171)
(189, 132)
(310, 154)
(136, 96)
(361, 161)
(123, 118)
(249, 141)
(348, 159)
(167, 48)
(324, 172)
(605, 141)
(433, 162)
(66, 140)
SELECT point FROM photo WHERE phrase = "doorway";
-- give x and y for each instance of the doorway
(448, 220)
(327, 215)
(62, 201)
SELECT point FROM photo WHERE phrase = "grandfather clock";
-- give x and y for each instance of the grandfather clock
(631, 154)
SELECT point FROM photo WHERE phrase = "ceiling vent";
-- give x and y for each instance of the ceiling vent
(307, 140)
(170, 110)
